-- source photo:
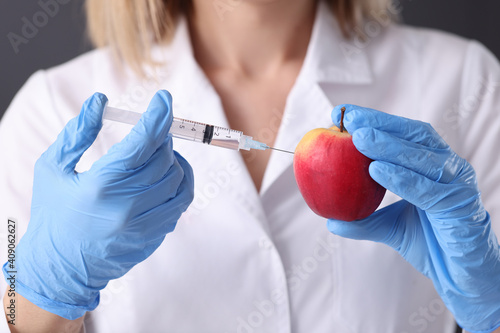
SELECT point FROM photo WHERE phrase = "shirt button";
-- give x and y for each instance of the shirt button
(265, 243)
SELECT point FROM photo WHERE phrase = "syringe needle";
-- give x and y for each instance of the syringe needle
(285, 151)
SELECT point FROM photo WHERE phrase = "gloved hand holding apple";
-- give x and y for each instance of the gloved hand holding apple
(440, 226)
(332, 175)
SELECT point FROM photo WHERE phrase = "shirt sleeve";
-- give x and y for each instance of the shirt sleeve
(479, 115)
(28, 127)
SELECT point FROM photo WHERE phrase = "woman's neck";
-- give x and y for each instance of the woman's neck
(252, 38)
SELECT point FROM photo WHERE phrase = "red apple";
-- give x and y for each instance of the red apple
(332, 176)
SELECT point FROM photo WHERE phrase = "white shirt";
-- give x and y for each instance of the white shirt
(243, 261)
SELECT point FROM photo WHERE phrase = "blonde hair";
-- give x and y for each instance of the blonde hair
(131, 27)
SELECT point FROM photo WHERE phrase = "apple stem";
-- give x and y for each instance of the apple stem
(342, 111)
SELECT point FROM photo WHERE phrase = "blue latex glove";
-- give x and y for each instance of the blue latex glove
(440, 226)
(89, 228)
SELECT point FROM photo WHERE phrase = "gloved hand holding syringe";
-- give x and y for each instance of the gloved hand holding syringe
(195, 131)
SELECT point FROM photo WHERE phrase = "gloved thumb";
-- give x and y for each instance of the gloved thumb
(145, 137)
(382, 226)
(78, 134)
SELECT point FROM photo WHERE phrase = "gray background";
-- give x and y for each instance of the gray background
(62, 37)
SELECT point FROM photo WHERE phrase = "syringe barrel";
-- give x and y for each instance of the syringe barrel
(184, 129)
(226, 138)
(188, 130)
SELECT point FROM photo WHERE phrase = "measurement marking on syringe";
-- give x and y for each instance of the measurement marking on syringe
(193, 131)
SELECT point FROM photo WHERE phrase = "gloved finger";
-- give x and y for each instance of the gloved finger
(389, 226)
(162, 219)
(188, 170)
(163, 190)
(155, 168)
(438, 164)
(408, 129)
(426, 194)
(144, 138)
(78, 134)
(167, 187)
(381, 226)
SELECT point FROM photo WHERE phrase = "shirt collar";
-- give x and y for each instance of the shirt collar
(330, 57)
(333, 58)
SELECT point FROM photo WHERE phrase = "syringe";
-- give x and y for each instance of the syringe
(194, 131)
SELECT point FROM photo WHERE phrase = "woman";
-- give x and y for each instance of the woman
(248, 255)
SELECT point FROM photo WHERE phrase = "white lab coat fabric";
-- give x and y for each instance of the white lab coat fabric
(243, 261)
